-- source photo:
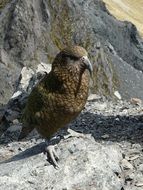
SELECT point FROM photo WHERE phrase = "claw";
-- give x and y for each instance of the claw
(51, 153)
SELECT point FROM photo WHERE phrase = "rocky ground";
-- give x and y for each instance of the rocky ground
(107, 155)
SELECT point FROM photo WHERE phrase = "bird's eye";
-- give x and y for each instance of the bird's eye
(74, 58)
(82, 59)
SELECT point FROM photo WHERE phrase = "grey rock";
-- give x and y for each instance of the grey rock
(106, 154)
(129, 85)
(100, 106)
(93, 97)
(117, 94)
(43, 67)
(139, 184)
(84, 168)
(136, 101)
(27, 80)
(140, 167)
(26, 75)
(126, 165)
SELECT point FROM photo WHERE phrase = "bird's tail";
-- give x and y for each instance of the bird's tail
(26, 129)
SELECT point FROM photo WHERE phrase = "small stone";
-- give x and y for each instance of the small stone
(139, 184)
(106, 136)
(129, 176)
(100, 106)
(43, 67)
(134, 152)
(26, 75)
(127, 157)
(136, 101)
(15, 121)
(126, 165)
(16, 94)
(93, 97)
(137, 146)
(117, 94)
(133, 157)
(140, 167)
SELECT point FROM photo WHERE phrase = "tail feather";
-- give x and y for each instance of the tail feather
(25, 131)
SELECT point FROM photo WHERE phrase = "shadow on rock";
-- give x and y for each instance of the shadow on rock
(110, 128)
(29, 152)
(104, 128)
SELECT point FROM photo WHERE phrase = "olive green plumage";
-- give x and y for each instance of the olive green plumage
(60, 96)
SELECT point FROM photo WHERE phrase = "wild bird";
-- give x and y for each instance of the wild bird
(59, 97)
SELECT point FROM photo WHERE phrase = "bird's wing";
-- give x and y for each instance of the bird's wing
(35, 106)
(28, 119)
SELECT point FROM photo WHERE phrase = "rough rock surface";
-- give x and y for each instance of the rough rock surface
(81, 167)
(127, 10)
(108, 155)
(33, 31)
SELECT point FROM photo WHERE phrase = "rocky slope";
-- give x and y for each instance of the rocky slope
(106, 154)
(33, 31)
(129, 10)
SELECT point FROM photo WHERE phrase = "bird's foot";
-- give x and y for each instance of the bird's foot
(73, 134)
(52, 155)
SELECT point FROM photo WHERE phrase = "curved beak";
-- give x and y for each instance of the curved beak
(87, 64)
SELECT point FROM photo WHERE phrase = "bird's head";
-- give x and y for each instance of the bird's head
(75, 56)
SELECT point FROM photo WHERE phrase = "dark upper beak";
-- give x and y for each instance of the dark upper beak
(87, 64)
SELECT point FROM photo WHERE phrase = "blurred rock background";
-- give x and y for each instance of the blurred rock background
(32, 32)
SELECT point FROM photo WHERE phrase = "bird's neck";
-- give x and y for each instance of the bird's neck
(68, 74)
(73, 78)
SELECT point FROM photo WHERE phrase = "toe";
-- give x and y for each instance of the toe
(55, 155)
(51, 153)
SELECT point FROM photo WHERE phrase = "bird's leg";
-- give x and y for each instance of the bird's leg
(51, 152)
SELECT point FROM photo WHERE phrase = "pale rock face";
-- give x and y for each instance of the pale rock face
(43, 67)
(127, 10)
(26, 75)
(27, 80)
(82, 161)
